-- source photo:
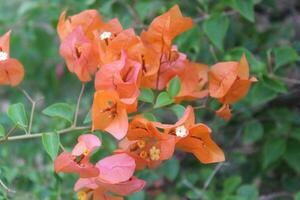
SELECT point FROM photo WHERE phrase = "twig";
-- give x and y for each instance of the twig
(213, 53)
(275, 196)
(33, 103)
(78, 105)
(37, 135)
(288, 80)
(212, 175)
(206, 16)
(6, 188)
(10, 132)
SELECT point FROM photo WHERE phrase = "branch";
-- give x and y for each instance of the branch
(275, 196)
(78, 105)
(212, 175)
(6, 188)
(37, 135)
(33, 103)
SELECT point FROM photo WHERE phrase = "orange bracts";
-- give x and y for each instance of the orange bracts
(123, 76)
(194, 138)
(78, 160)
(229, 82)
(11, 70)
(109, 114)
(89, 20)
(116, 175)
(193, 79)
(146, 144)
(80, 54)
(164, 29)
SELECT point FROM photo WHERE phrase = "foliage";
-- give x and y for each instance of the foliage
(261, 141)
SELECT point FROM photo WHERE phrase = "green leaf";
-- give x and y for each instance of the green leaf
(215, 28)
(249, 192)
(273, 149)
(297, 196)
(146, 95)
(88, 118)
(137, 196)
(163, 99)
(284, 55)
(170, 169)
(150, 117)
(231, 184)
(2, 131)
(60, 110)
(17, 114)
(178, 110)
(245, 8)
(51, 144)
(292, 155)
(174, 86)
(275, 84)
(253, 131)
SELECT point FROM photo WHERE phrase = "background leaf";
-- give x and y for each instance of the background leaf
(163, 99)
(60, 110)
(51, 144)
(16, 112)
(174, 86)
(215, 27)
(146, 95)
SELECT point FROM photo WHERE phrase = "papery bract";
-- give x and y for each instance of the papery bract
(194, 138)
(146, 144)
(11, 70)
(80, 54)
(78, 160)
(109, 114)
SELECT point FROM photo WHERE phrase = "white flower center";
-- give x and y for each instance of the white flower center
(105, 35)
(3, 56)
(181, 131)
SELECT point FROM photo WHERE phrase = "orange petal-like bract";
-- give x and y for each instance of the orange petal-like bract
(109, 114)
(11, 70)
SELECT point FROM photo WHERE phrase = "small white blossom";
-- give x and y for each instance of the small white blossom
(3, 56)
(181, 131)
(105, 35)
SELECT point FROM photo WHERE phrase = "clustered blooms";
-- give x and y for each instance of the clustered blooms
(11, 70)
(120, 63)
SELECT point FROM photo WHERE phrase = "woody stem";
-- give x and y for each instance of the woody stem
(37, 135)
(5, 187)
(33, 103)
(78, 105)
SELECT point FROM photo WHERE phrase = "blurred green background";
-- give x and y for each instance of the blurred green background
(261, 142)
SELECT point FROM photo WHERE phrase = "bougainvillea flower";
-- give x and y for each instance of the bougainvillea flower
(165, 28)
(224, 112)
(146, 144)
(11, 70)
(123, 76)
(193, 84)
(80, 54)
(194, 138)
(116, 175)
(89, 20)
(78, 160)
(229, 81)
(109, 113)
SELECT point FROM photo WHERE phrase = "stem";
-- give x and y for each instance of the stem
(212, 175)
(6, 188)
(33, 103)
(37, 135)
(78, 105)
(10, 132)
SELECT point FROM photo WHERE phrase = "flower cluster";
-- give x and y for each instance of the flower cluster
(11, 70)
(120, 63)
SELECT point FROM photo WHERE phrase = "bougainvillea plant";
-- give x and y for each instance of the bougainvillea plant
(129, 71)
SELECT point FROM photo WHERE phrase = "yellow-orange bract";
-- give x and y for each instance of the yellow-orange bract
(11, 70)
(229, 82)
